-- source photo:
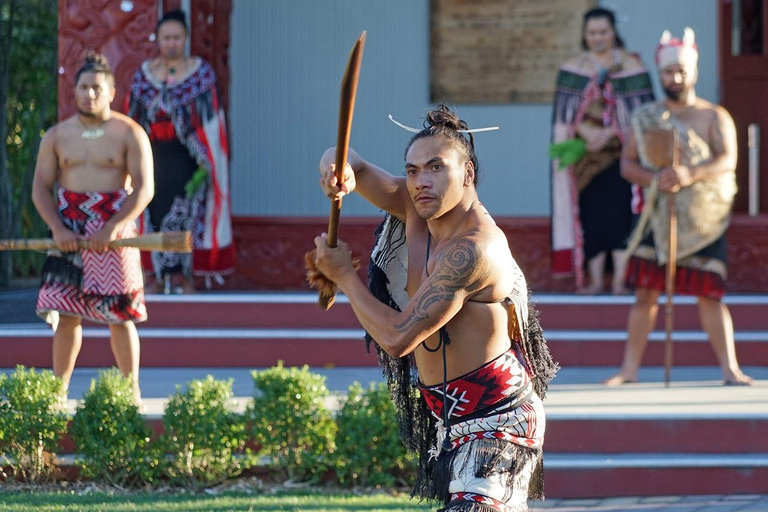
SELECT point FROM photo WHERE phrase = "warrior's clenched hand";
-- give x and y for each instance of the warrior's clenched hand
(333, 262)
(672, 179)
(328, 180)
(101, 239)
(66, 239)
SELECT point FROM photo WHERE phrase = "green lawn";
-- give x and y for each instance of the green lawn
(309, 502)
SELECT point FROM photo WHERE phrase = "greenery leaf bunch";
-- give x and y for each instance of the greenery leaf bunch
(32, 421)
(291, 422)
(369, 452)
(204, 435)
(112, 436)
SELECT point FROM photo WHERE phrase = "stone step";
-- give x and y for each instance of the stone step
(655, 474)
(300, 310)
(29, 344)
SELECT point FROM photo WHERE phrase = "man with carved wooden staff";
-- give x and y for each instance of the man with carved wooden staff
(99, 164)
(448, 297)
(703, 183)
(174, 97)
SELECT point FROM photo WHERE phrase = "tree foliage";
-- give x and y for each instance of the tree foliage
(28, 79)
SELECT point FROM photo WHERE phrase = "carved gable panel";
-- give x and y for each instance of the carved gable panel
(124, 32)
(209, 24)
(120, 30)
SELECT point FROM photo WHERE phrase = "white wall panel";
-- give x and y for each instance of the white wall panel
(287, 57)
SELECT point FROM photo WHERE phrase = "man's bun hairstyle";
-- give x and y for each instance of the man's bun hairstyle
(444, 122)
(96, 63)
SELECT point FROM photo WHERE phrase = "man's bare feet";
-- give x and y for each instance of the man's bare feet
(620, 378)
(61, 403)
(737, 378)
(137, 401)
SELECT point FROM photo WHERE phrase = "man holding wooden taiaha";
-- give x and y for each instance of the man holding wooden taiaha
(466, 324)
(702, 186)
(102, 163)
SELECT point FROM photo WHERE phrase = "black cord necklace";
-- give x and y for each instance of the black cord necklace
(443, 341)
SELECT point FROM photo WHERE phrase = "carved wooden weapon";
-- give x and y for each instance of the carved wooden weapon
(346, 110)
(166, 242)
(661, 148)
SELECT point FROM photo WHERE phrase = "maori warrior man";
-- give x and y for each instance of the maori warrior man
(447, 295)
(703, 184)
(101, 161)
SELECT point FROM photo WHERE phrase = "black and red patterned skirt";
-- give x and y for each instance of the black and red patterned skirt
(701, 275)
(101, 287)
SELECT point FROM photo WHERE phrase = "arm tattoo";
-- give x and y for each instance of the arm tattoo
(452, 273)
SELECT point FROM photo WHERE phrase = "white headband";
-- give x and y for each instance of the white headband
(416, 130)
(677, 51)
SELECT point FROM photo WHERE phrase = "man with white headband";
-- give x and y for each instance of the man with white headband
(460, 345)
(703, 183)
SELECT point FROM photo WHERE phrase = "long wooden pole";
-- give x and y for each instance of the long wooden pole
(346, 111)
(669, 318)
(166, 242)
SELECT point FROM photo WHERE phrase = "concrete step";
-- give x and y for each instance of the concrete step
(606, 312)
(29, 344)
(300, 310)
(654, 474)
(583, 415)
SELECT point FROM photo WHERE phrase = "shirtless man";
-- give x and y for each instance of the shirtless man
(463, 284)
(102, 163)
(704, 184)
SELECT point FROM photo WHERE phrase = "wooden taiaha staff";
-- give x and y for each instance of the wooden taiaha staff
(661, 147)
(671, 272)
(346, 111)
(166, 242)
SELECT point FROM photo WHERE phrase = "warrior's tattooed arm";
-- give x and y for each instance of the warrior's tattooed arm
(461, 271)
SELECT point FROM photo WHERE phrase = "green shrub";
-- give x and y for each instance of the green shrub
(112, 436)
(204, 436)
(368, 449)
(291, 423)
(31, 422)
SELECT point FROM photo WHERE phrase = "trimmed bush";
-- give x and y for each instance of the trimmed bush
(203, 434)
(112, 436)
(368, 449)
(31, 422)
(291, 423)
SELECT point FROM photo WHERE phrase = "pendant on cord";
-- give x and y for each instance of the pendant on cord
(93, 133)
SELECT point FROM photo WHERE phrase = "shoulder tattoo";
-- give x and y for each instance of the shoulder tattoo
(453, 272)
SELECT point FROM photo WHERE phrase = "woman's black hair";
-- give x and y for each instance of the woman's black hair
(443, 122)
(600, 12)
(176, 15)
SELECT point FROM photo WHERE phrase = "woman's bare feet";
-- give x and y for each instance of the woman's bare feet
(180, 284)
(154, 287)
(620, 290)
(188, 286)
(621, 378)
(592, 289)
